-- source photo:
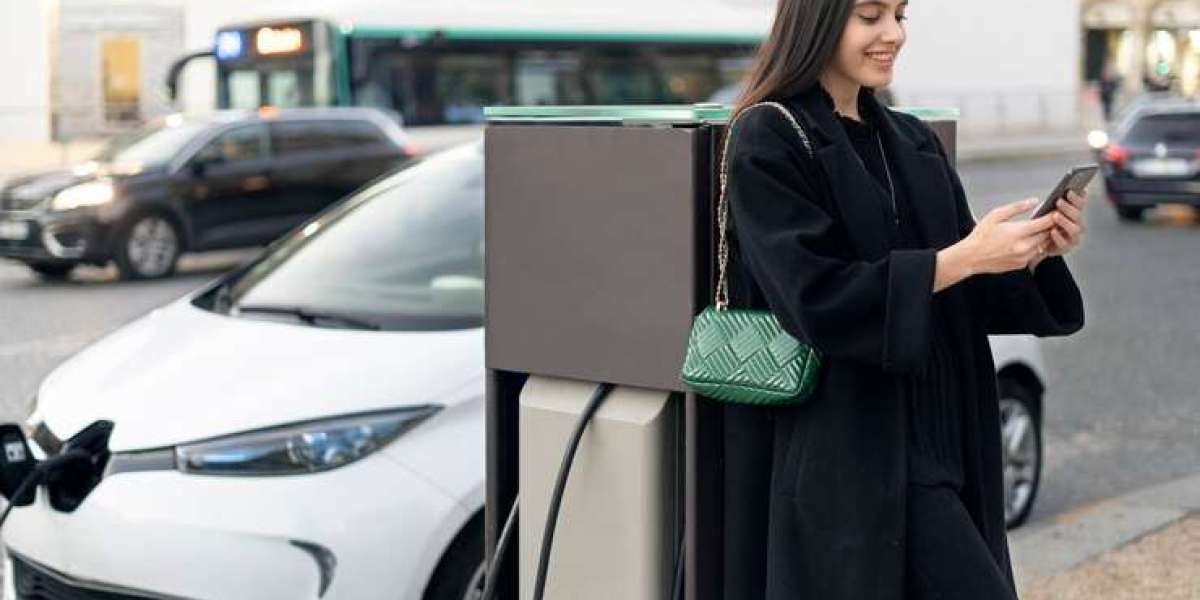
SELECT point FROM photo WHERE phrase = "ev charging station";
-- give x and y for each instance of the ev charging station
(600, 226)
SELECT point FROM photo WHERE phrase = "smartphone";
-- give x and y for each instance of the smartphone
(1076, 180)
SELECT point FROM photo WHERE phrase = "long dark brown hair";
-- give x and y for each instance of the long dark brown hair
(802, 41)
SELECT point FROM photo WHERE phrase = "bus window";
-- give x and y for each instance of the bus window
(688, 78)
(621, 78)
(734, 69)
(244, 90)
(468, 82)
(545, 78)
(384, 77)
(284, 89)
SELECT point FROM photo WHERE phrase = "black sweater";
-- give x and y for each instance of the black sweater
(934, 396)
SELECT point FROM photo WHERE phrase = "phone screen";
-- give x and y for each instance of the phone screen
(1076, 179)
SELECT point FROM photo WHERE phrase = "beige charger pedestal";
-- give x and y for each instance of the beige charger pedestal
(599, 229)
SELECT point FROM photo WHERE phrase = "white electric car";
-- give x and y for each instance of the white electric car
(311, 426)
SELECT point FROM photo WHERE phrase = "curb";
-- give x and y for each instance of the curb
(1073, 538)
(976, 152)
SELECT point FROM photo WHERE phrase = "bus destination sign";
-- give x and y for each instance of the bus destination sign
(271, 41)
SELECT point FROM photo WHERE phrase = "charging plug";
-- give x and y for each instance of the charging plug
(69, 483)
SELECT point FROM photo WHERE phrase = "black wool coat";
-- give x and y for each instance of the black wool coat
(814, 495)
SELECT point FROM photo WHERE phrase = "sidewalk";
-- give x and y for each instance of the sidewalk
(997, 147)
(1145, 544)
(17, 158)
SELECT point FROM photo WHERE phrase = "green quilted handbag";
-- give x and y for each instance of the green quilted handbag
(743, 355)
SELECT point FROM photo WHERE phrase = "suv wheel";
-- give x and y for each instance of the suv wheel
(1021, 441)
(148, 247)
(52, 270)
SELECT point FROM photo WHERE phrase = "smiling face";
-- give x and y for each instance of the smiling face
(870, 43)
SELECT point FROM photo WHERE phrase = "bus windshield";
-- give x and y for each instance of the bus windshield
(283, 88)
(274, 64)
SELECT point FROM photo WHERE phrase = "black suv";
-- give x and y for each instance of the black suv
(232, 179)
(1154, 158)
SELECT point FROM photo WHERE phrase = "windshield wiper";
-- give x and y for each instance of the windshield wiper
(310, 317)
(223, 298)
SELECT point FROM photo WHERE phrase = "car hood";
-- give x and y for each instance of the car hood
(32, 186)
(182, 374)
(43, 184)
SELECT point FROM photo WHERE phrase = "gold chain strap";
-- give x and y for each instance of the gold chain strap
(722, 299)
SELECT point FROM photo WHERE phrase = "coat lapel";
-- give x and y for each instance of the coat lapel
(856, 195)
(923, 174)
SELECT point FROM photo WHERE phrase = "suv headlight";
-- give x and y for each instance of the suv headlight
(92, 193)
(301, 448)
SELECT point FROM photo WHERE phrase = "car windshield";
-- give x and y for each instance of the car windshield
(405, 253)
(157, 142)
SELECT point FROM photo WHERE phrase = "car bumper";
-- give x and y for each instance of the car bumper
(73, 236)
(363, 531)
(1149, 192)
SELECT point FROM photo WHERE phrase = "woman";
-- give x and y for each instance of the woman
(887, 483)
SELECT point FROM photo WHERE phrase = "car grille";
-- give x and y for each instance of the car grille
(35, 582)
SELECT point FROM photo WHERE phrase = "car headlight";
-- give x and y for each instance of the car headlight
(301, 448)
(92, 193)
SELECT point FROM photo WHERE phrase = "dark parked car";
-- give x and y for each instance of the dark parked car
(1153, 157)
(232, 179)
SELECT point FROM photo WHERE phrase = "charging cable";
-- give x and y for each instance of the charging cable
(40, 471)
(492, 573)
(564, 471)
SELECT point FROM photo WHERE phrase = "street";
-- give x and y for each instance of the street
(1121, 409)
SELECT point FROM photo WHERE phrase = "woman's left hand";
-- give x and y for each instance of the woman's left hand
(1068, 227)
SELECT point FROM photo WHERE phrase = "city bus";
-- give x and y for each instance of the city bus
(441, 65)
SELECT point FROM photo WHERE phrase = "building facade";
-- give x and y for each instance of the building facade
(1010, 68)
(109, 62)
(1148, 44)
(25, 105)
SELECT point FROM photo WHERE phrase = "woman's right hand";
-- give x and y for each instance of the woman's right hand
(997, 245)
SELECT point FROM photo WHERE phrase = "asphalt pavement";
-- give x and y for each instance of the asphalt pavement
(1122, 411)
(1123, 404)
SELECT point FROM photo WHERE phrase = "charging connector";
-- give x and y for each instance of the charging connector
(38, 475)
(69, 476)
